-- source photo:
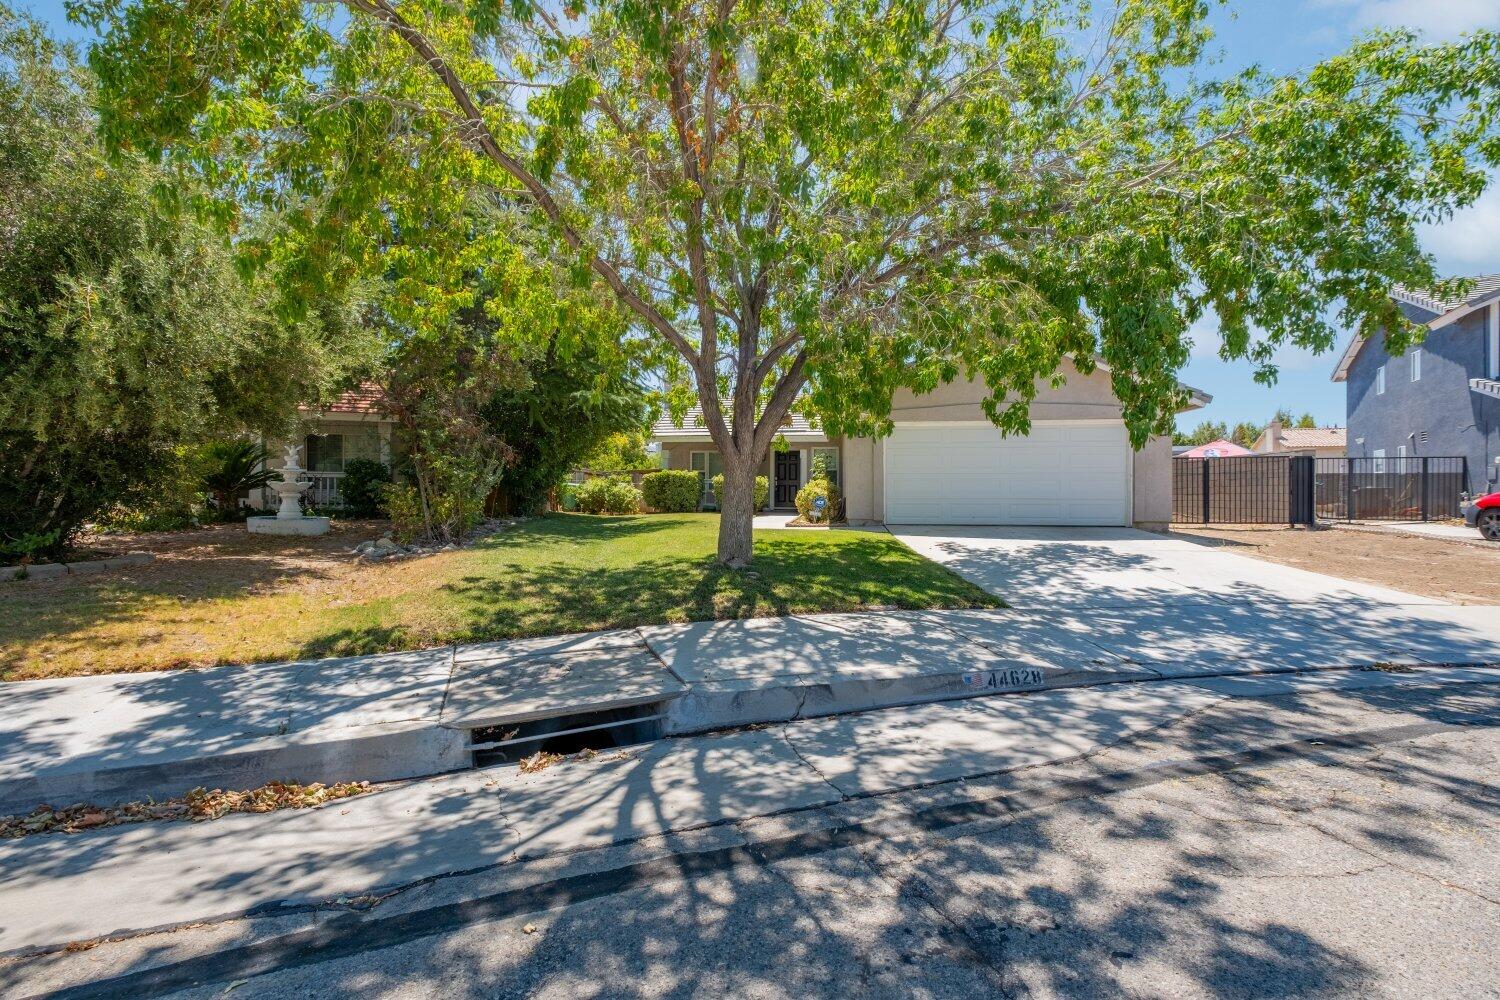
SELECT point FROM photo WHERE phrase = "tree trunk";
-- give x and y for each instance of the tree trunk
(737, 513)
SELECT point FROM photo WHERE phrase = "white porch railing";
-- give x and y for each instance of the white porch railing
(324, 491)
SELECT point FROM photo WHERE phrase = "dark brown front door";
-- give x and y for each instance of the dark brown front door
(788, 478)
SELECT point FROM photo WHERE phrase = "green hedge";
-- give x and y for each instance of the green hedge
(762, 491)
(608, 496)
(672, 491)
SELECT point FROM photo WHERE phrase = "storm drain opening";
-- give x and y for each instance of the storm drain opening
(568, 734)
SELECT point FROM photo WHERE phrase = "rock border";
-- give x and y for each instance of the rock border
(51, 571)
(386, 547)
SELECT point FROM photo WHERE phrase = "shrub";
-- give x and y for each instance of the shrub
(404, 507)
(231, 469)
(567, 496)
(173, 501)
(363, 485)
(672, 491)
(608, 496)
(167, 514)
(762, 491)
(457, 511)
(814, 489)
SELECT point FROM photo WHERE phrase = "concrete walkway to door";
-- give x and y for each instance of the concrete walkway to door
(1169, 600)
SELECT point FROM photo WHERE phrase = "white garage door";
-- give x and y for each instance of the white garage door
(1063, 472)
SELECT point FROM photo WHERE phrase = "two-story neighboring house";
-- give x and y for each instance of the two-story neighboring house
(1441, 397)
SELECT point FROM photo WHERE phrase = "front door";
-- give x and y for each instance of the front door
(788, 478)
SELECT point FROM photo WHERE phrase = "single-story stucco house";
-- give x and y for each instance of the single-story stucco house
(353, 426)
(1319, 442)
(946, 463)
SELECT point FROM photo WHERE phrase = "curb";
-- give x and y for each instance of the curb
(50, 571)
(388, 752)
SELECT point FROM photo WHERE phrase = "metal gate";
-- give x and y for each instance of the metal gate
(1390, 489)
(1245, 489)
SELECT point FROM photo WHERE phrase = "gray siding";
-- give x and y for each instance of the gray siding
(1456, 420)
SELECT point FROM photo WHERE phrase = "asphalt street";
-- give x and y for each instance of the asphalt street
(1318, 844)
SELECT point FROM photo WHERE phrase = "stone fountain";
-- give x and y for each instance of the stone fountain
(289, 519)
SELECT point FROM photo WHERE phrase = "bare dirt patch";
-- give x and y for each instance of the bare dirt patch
(1462, 574)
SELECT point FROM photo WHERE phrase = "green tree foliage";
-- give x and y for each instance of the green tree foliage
(1206, 431)
(815, 202)
(566, 407)
(126, 331)
(819, 485)
(1244, 432)
(622, 451)
(1287, 419)
(440, 377)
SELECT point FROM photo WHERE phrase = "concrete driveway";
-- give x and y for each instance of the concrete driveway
(1167, 599)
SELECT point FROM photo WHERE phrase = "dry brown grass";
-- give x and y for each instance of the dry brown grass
(1450, 571)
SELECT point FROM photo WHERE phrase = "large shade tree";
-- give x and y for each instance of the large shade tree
(813, 203)
(127, 333)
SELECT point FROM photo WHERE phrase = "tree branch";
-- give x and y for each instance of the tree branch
(382, 11)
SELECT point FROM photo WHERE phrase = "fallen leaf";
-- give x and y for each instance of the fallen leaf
(539, 761)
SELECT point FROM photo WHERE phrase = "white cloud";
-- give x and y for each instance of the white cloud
(1469, 243)
(1438, 19)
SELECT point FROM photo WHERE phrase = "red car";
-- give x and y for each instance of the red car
(1484, 513)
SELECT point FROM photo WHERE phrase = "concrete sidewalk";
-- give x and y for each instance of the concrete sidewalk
(127, 879)
(1443, 530)
(118, 737)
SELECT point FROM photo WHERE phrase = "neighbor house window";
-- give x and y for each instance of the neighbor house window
(325, 453)
(707, 464)
(1380, 381)
(1379, 455)
(1416, 364)
(1400, 451)
(830, 457)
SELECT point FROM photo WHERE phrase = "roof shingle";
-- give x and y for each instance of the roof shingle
(1314, 437)
(1485, 286)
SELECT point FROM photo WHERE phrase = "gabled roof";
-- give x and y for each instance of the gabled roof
(1214, 449)
(363, 398)
(795, 427)
(1486, 290)
(1486, 287)
(1295, 438)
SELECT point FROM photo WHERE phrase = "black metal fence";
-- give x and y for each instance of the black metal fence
(1245, 489)
(1296, 489)
(1389, 489)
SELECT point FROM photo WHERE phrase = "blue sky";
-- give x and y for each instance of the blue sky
(1285, 36)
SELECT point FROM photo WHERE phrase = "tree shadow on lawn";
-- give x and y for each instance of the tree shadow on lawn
(789, 576)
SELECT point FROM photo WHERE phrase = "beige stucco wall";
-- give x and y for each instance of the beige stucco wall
(1081, 397)
(1152, 484)
(679, 455)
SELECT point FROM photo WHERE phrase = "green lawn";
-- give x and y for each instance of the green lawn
(242, 598)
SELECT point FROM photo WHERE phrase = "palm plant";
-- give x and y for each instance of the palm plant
(231, 468)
